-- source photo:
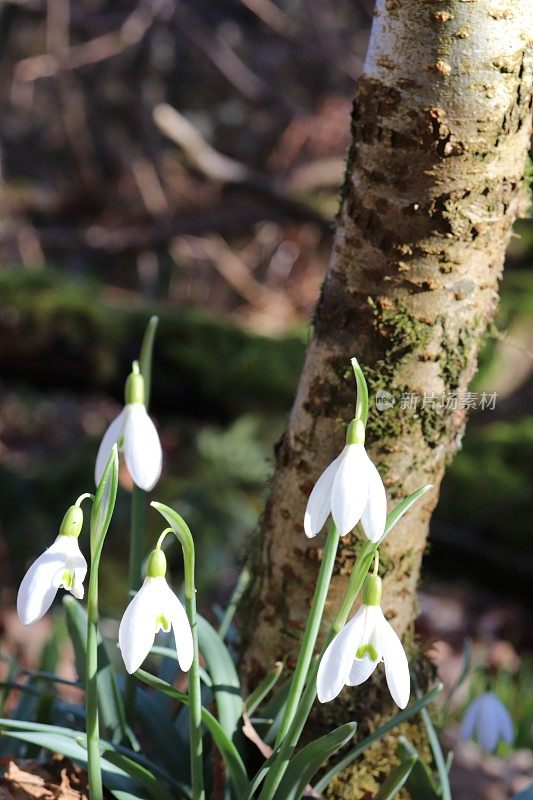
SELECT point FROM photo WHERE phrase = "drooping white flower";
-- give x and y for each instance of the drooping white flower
(136, 435)
(61, 566)
(351, 490)
(488, 722)
(154, 608)
(356, 651)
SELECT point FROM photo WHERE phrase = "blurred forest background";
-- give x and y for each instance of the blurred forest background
(184, 158)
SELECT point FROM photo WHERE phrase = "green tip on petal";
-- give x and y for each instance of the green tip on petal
(157, 564)
(72, 522)
(134, 389)
(356, 432)
(367, 650)
(372, 590)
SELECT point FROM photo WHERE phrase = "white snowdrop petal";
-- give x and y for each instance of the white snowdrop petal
(142, 448)
(137, 628)
(111, 436)
(319, 503)
(349, 492)
(396, 666)
(337, 661)
(39, 585)
(486, 728)
(374, 515)
(181, 629)
(362, 669)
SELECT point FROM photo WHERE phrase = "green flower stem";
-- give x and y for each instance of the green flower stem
(91, 690)
(137, 545)
(361, 404)
(312, 628)
(308, 697)
(102, 511)
(183, 534)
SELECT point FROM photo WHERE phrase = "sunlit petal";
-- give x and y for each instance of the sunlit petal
(111, 436)
(396, 665)
(319, 503)
(138, 625)
(142, 448)
(375, 512)
(362, 669)
(41, 582)
(337, 661)
(181, 629)
(349, 492)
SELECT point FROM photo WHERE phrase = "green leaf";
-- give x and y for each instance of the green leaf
(397, 513)
(256, 697)
(351, 755)
(156, 788)
(74, 748)
(392, 785)
(226, 687)
(145, 359)
(158, 730)
(103, 506)
(305, 764)
(110, 703)
(421, 783)
(229, 752)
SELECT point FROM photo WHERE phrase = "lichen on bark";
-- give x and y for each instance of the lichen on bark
(434, 181)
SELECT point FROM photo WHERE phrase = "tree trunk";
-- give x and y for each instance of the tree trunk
(434, 182)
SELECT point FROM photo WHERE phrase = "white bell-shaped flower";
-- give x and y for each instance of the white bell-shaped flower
(488, 722)
(154, 608)
(61, 566)
(356, 651)
(136, 436)
(351, 490)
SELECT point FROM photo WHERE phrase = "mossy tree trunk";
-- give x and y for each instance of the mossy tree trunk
(434, 182)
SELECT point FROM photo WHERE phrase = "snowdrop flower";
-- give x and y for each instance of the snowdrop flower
(61, 566)
(487, 721)
(136, 436)
(155, 607)
(356, 651)
(351, 489)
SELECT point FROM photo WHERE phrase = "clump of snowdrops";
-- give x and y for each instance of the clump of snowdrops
(143, 738)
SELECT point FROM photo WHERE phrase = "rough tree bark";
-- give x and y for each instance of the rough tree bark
(434, 181)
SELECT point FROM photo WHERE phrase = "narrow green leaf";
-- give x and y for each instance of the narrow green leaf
(145, 359)
(226, 687)
(397, 513)
(155, 787)
(229, 752)
(159, 732)
(238, 592)
(305, 764)
(256, 697)
(420, 783)
(395, 781)
(110, 702)
(103, 506)
(351, 755)
(440, 762)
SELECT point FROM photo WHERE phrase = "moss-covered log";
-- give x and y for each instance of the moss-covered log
(60, 333)
(434, 182)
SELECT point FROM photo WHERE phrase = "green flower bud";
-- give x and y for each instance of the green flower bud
(356, 432)
(372, 590)
(134, 389)
(72, 522)
(157, 564)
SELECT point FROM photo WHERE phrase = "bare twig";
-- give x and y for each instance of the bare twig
(95, 50)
